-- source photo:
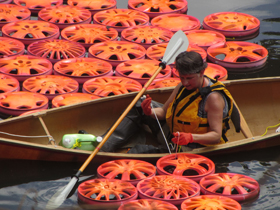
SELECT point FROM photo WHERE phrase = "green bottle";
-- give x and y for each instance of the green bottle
(80, 141)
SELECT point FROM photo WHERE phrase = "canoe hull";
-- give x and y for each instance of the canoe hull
(14, 150)
(258, 100)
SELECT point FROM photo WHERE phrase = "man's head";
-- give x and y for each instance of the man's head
(190, 67)
(189, 63)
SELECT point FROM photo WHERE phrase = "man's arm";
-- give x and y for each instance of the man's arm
(214, 107)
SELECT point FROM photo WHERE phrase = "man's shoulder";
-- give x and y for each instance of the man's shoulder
(215, 100)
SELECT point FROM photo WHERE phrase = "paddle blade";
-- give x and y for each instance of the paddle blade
(177, 44)
(60, 196)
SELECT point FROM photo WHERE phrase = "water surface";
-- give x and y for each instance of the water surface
(28, 185)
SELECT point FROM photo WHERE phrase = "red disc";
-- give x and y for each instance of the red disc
(16, 103)
(94, 6)
(238, 54)
(36, 5)
(56, 49)
(216, 71)
(205, 38)
(116, 52)
(25, 66)
(172, 189)
(106, 192)
(72, 98)
(156, 52)
(83, 69)
(235, 186)
(10, 47)
(65, 15)
(29, 31)
(108, 86)
(6, 1)
(11, 12)
(50, 85)
(192, 166)
(155, 8)
(175, 22)
(8, 84)
(141, 70)
(210, 202)
(120, 19)
(232, 24)
(146, 35)
(89, 34)
(165, 82)
(147, 204)
(128, 170)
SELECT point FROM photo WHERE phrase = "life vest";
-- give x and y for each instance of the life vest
(182, 113)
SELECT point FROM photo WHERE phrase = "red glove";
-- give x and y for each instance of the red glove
(146, 105)
(182, 138)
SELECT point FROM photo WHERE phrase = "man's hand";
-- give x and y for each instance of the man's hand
(182, 138)
(146, 105)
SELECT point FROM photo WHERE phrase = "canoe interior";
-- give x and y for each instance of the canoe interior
(258, 100)
(95, 117)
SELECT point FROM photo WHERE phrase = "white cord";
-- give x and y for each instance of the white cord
(177, 144)
(161, 129)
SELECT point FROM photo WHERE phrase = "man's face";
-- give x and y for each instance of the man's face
(191, 81)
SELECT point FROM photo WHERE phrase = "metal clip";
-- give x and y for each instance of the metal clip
(51, 139)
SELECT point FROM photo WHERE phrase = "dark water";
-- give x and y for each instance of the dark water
(28, 185)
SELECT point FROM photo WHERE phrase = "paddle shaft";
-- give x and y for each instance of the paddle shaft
(130, 106)
(47, 131)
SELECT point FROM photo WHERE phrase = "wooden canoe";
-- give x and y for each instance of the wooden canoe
(258, 100)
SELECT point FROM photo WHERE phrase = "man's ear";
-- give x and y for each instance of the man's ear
(202, 72)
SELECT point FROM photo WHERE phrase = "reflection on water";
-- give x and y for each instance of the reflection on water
(33, 195)
(28, 192)
(36, 194)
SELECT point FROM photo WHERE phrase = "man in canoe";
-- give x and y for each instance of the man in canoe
(198, 110)
(197, 113)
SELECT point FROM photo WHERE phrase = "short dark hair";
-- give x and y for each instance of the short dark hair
(189, 62)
